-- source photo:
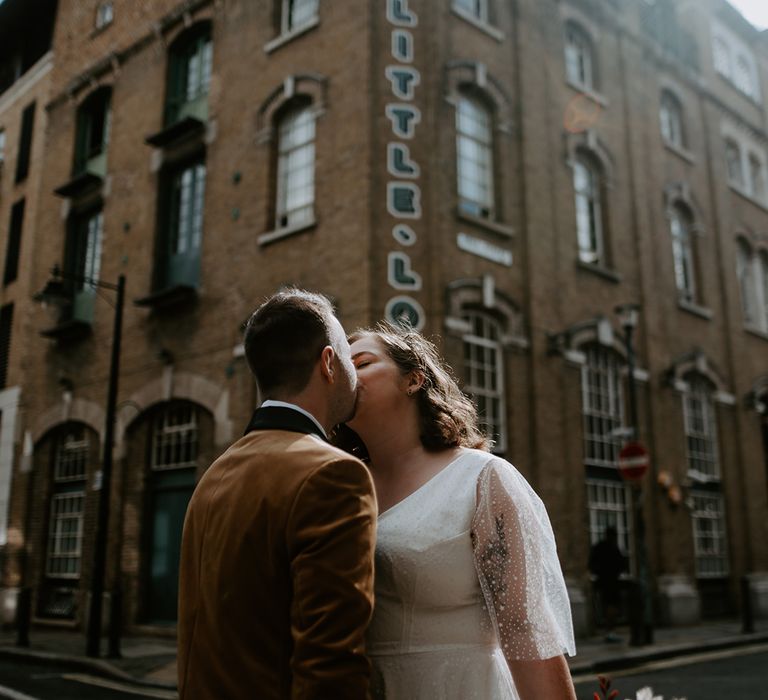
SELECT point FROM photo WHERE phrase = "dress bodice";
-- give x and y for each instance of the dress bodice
(427, 591)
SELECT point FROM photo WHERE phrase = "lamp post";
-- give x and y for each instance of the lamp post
(56, 293)
(641, 620)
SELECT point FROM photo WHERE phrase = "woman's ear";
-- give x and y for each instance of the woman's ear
(327, 360)
(415, 381)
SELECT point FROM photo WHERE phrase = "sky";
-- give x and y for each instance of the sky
(756, 11)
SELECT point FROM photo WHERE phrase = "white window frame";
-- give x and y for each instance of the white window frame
(291, 19)
(752, 273)
(484, 371)
(175, 432)
(709, 525)
(589, 211)
(671, 120)
(475, 176)
(479, 9)
(64, 548)
(683, 254)
(609, 504)
(292, 178)
(602, 406)
(700, 420)
(579, 57)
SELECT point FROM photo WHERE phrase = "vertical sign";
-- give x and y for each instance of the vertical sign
(403, 191)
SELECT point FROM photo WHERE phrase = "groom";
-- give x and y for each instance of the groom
(276, 577)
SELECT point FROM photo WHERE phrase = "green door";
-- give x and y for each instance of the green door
(171, 491)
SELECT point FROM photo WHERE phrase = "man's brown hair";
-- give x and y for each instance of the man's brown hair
(284, 338)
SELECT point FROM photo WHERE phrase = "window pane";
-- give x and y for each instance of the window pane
(701, 428)
(175, 438)
(296, 168)
(474, 164)
(602, 406)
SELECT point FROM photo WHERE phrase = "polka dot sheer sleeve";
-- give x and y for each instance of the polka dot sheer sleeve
(517, 565)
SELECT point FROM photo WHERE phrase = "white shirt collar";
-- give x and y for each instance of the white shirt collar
(284, 404)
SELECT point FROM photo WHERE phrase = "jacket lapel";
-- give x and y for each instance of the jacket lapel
(280, 418)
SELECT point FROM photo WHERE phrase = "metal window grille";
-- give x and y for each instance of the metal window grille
(609, 506)
(589, 228)
(701, 428)
(709, 535)
(602, 407)
(187, 209)
(296, 168)
(65, 535)
(175, 438)
(682, 252)
(474, 157)
(578, 57)
(297, 13)
(484, 368)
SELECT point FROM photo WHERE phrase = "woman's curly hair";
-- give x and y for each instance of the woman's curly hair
(447, 417)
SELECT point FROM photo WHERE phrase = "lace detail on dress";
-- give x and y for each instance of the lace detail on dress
(517, 566)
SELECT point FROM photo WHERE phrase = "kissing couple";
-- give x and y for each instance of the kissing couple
(277, 595)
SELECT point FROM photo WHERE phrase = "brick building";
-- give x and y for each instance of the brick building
(502, 174)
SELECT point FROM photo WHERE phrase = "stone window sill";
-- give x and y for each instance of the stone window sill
(283, 39)
(280, 233)
(758, 332)
(679, 151)
(480, 24)
(695, 309)
(599, 270)
(487, 224)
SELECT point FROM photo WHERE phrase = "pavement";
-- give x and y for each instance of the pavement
(151, 661)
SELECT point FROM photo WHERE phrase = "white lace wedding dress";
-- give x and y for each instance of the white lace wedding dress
(466, 573)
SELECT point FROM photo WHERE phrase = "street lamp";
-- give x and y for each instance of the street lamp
(56, 293)
(641, 620)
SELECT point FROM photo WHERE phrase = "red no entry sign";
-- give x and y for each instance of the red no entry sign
(633, 461)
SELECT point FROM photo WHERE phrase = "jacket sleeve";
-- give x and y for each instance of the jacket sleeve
(331, 537)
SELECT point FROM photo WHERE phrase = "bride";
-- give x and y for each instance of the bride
(470, 598)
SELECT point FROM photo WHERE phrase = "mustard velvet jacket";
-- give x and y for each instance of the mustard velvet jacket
(276, 576)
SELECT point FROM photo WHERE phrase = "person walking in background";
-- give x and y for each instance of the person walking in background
(607, 563)
(276, 576)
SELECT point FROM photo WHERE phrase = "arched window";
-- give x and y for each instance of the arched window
(474, 156)
(92, 139)
(484, 371)
(743, 75)
(722, 56)
(579, 57)
(680, 228)
(189, 75)
(295, 185)
(589, 210)
(756, 182)
(671, 118)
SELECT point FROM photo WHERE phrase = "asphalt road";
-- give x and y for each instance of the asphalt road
(51, 682)
(736, 674)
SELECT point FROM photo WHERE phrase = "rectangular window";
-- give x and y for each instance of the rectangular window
(25, 142)
(296, 169)
(709, 535)
(65, 532)
(609, 506)
(6, 321)
(474, 157)
(14, 243)
(701, 430)
(602, 407)
(297, 13)
(187, 197)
